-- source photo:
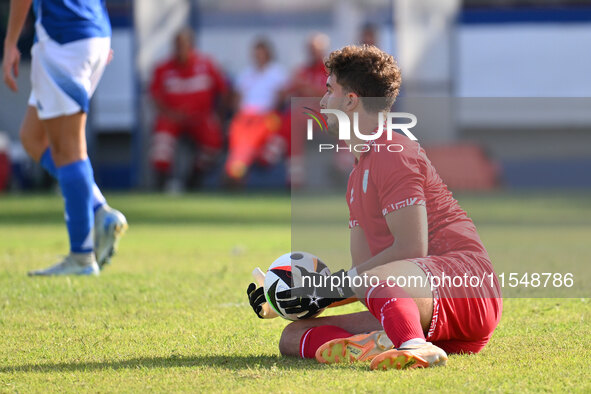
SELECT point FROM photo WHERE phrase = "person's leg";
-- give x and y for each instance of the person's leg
(414, 297)
(166, 133)
(272, 145)
(109, 223)
(36, 144)
(404, 314)
(465, 316)
(404, 306)
(362, 322)
(247, 136)
(34, 138)
(74, 173)
(240, 149)
(63, 79)
(209, 141)
(294, 341)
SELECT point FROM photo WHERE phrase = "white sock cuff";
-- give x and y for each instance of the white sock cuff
(412, 342)
(98, 200)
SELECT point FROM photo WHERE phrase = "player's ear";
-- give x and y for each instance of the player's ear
(352, 102)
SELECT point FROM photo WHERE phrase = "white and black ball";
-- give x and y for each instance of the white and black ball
(282, 275)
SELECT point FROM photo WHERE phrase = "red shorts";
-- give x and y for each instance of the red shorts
(465, 312)
(205, 130)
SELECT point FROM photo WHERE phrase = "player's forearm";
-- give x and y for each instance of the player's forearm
(359, 253)
(395, 252)
(18, 14)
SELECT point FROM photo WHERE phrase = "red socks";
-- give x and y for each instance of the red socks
(397, 312)
(392, 306)
(315, 337)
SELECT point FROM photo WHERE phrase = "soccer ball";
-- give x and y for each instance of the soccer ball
(281, 275)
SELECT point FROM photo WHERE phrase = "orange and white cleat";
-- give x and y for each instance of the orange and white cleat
(416, 356)
(361, 347)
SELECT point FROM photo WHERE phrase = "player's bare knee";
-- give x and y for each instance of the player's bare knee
(32, 134)
(27, 142)
(64, 152)
(32, 144)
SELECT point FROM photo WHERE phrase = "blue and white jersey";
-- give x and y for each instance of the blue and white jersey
(70, 20)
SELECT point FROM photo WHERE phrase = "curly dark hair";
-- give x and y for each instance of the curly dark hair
(367, 71)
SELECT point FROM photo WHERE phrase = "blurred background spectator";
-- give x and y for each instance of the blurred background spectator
(256, 120)
(308, 80)
(369, 34)
(185, 90)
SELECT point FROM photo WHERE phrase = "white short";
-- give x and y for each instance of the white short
(64, 77)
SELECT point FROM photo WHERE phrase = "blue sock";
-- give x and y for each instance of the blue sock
(46, 162)
(76, 182)
(98, 200)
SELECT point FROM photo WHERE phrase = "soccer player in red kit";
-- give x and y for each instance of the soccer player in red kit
(404, 224)
(184, 89)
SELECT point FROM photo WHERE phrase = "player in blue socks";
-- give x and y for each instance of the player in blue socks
(72, 48)
(109, 223)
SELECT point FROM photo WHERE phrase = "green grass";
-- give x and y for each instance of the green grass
(170, 313)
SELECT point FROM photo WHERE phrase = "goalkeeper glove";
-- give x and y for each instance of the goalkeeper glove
(256, 296)
(308, 301)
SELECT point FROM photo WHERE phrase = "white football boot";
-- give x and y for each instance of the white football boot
(109, 227)
(72, 264)
(422, 355)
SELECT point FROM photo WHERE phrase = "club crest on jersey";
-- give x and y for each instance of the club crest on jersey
(365, 179)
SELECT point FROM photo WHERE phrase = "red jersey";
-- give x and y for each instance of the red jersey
(190, 87)
(382, 182)
(310, 80)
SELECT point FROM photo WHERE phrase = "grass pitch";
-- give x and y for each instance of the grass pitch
(171, 314)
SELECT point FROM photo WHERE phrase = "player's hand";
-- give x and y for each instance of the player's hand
(256, 298)
(307, 301)
(10, 64)
(258, 302)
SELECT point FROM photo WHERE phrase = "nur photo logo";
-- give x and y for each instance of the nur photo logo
(388, 123)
